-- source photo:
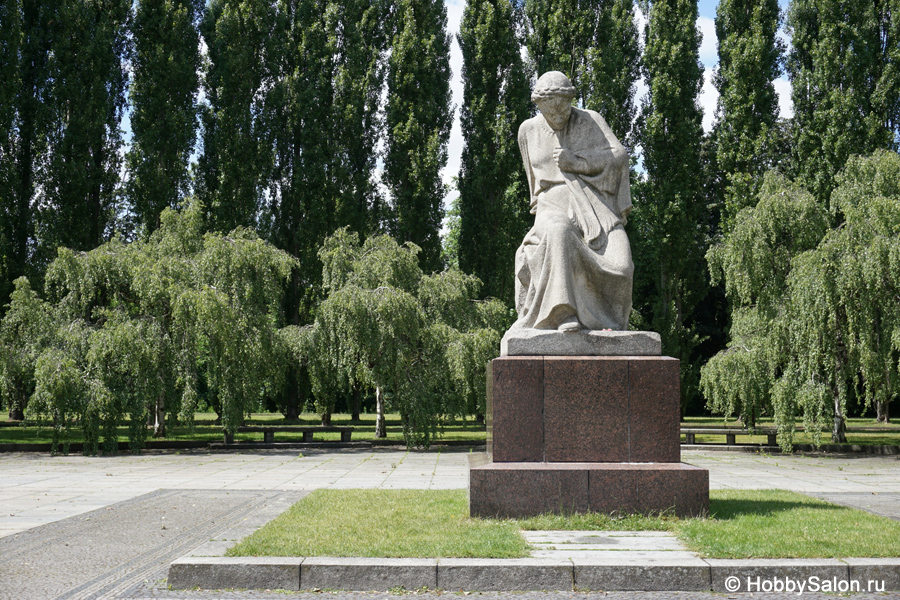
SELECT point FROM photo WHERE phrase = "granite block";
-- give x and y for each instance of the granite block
(515, 403)
(522, 574)
(755, 575)
(654, 405)
(527, 489)
(883, 573)
(613, 489)
(515, 490)
(549, 342)
(586, 409)
(378, 574)
(678, 574)
(677, 487)
(248, 572)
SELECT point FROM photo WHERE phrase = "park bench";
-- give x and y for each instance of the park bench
(730, 433)
(269, 432)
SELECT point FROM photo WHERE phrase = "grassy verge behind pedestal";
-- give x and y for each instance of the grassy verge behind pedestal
(435, 524)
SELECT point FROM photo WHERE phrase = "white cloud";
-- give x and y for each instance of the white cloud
(709, 55)
(785, 104)
(709, 95)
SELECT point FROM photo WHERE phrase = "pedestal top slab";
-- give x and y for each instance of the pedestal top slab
(547, 342)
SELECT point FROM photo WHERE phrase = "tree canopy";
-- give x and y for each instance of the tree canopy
(816, 319)
(420, 341)
(126, 329)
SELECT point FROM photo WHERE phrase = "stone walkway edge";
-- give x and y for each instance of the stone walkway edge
(528, 574)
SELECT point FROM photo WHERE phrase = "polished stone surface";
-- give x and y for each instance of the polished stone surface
(520, 341)
(515, 406)
(584, 409)
(520, 490)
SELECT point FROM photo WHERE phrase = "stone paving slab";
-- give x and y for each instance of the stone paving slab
(61, 491)
(104, 552)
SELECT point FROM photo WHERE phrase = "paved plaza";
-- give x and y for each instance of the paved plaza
(107, 527)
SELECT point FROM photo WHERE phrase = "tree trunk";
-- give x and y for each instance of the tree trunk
(380, 431)
(884, 412)
(839, 430)
(357, 402)
(326, 418)
(159, 423)
(16, 413)
(292, 399)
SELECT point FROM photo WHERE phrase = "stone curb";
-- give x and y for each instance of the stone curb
(529, 574)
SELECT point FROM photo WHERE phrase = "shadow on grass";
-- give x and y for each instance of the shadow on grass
(735, 508)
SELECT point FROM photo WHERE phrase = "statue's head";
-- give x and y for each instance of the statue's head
(553, 94)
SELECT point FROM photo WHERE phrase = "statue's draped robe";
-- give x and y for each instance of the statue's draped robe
(576, 259)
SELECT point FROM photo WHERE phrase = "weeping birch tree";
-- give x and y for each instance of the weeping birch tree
(817, 317)
(128, 330)
(420, 342)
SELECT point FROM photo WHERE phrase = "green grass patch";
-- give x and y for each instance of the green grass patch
(780, 524)
(434, 524)
(391, 523)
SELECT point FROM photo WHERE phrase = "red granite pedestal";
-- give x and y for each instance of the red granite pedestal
(584, 433)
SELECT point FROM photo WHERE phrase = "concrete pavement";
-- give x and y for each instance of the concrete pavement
(36, 489)
(104, 504)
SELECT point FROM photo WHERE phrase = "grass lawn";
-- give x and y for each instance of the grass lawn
(435, 523)
(394, 523)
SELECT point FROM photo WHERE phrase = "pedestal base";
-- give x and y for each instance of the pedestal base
(527, 489)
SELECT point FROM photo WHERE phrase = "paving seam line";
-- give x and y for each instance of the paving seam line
(145, 563)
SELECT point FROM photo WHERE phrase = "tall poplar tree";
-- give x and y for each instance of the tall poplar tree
(357, 41)
(236, 159)
(596, 44)
(418, 119)
(493, 211)
(844, 66)
(669, 234)
(10, 41)
(750, 59)
(163, 91)
(27, 29)
(87, 67)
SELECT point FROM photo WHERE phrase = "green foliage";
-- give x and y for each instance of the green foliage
(670, 231)
(750, 58)
(87, 68)
(597, 45)
(422, 340)
(236, 159)
(816, 317)
(754, 263)
(845, 85)
(27, 30)
(129, 329)
(418, 117)
(165, 62)
(492, 211)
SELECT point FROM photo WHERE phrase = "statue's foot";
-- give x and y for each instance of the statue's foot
(569, 325)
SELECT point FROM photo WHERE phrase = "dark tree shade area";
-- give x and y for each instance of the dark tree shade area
(131, 129)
